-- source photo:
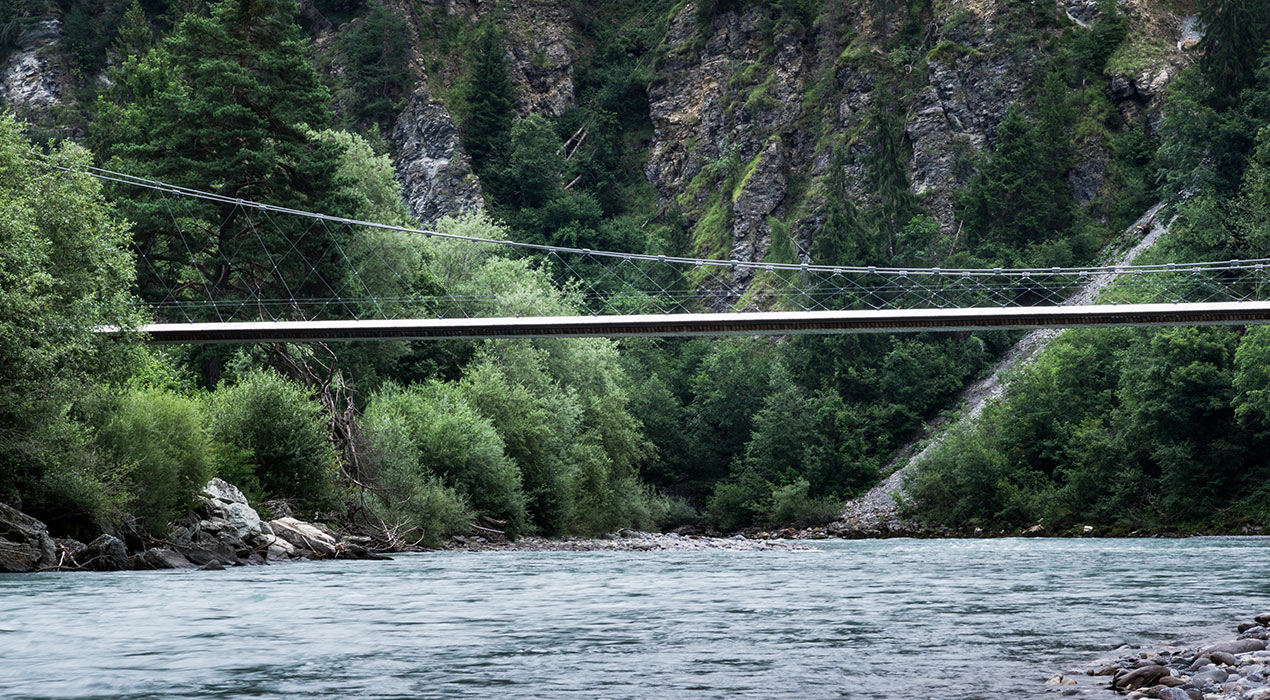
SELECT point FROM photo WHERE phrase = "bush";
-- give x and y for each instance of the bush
(281, 436)
(739, 503)
(792, 506)
(406, 502)
(160, 441)
(429, 431)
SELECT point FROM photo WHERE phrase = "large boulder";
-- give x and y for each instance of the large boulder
(162, 558)
(25, 544)
(229, 508)
(1238, 646)
(304, 535)
(106, 553)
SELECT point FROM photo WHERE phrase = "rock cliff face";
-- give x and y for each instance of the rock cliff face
(764, 107)
(36, 75)
(750, 110)
(436, 176)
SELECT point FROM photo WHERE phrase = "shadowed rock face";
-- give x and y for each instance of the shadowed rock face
(33, 79)
(25, 544)
(436, 176)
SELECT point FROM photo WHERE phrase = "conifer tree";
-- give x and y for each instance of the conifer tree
(1019, 196)
(135, 37)
(1234, 33)
(223, 105)
(490, 106)
(378, 75)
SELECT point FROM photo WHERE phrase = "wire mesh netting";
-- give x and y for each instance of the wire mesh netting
(207, 257)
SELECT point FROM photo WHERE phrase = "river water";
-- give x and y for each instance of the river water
(910, 619)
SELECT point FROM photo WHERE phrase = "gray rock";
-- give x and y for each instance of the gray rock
(1239, 646)
(1139, 677)
(230, 521)
(224, 492)
(162, 558)
(32, 81)
(1257, 632)
(1085, 181)
(1225, 658)
(1173, 694)
(244, 521)
(304, 535)
(69, 551)
(212, 566)
(436, 176)
(1213, 675)
(106, 553)
(539, 49)
(205, 553)
(25, 544)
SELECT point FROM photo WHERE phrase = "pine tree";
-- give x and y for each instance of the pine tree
(490, 103)
(1234, 33)
(378, 74)
(1020, 195)
(887, 172)
(135, 37)
(223, 105)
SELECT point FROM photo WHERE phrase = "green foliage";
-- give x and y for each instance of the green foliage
(1020, 197)
(283, 437)
(430, 431)
(793, 506)
(378, 74)
(1120, 428)
(227, 102)
(1234, 35)
(740, 502)
(65, 269)
(159, 440)
(488, 100)
(89, 26)
(538, 422)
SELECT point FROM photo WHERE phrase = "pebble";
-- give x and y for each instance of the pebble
(630, 541)
(1230, 670)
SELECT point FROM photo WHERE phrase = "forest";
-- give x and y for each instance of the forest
(416, 441)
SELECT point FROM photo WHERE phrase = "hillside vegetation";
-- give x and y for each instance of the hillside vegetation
(904, 132)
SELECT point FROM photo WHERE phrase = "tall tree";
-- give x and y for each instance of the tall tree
(490, 103)
(223, 105)
(1234, 33)
(64, 270)
(378, 73)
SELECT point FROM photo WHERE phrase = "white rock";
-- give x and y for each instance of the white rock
(223, 491)
(279, 549)
(244, 521)
(303, 535)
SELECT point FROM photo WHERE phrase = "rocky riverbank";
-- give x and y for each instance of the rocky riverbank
(626, 541)
(1238, 668)
(222, 530)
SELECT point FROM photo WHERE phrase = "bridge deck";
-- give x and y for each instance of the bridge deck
(777, 323)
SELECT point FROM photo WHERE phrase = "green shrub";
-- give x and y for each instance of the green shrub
(741, 502)
(793, 506)
(160, 441)
(407, 502)
(278, 436)
(428, 430)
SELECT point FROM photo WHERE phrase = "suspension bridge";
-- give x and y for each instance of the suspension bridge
(214, 268)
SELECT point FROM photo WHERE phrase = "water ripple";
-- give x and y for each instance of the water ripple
(958, 620)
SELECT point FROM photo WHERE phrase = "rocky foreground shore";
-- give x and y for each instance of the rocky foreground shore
(625, 541)
(1235, 669)
(222, 530)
